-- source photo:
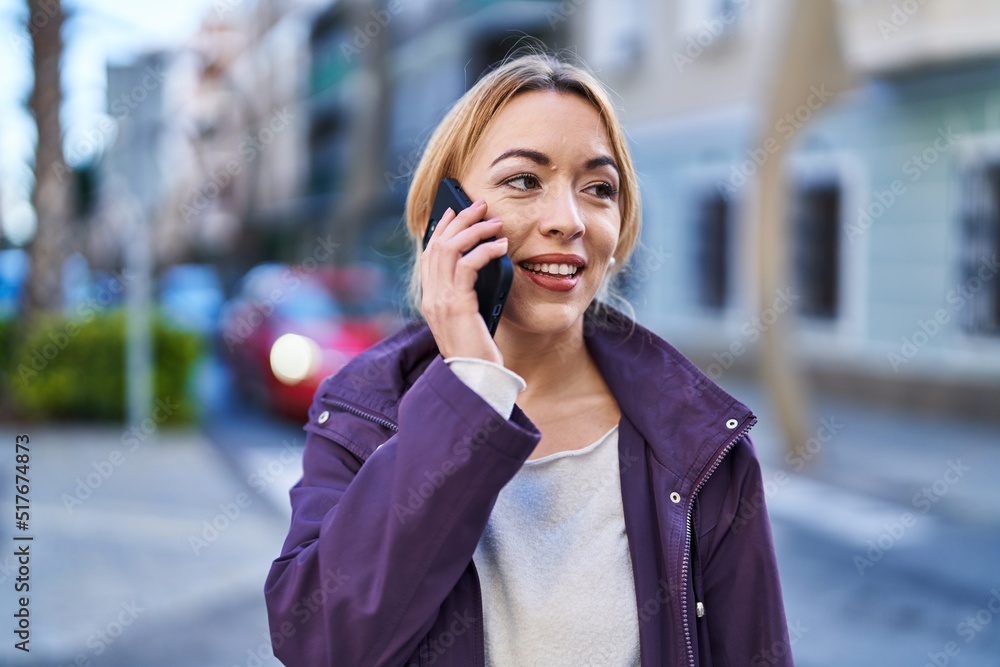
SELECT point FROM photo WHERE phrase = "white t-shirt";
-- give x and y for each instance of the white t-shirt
(554, 561)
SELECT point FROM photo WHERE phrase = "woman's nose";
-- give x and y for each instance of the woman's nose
(562, 216)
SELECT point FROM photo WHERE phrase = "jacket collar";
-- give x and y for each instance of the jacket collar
(686, 418)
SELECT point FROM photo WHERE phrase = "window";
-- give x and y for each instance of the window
(816, 249)
(616, 31)
(489, 47)
(980, 221)
(712, 251)
(697, 16)
(487, 51)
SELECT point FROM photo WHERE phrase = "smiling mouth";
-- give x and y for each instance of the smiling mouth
(552, 270)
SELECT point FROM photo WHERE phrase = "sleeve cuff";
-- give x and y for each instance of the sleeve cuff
(497, 385)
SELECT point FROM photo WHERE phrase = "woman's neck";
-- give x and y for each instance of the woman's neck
(549, 363)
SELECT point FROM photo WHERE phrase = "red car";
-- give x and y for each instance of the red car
(285, 330)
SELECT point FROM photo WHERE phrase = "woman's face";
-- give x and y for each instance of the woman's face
(546, 168)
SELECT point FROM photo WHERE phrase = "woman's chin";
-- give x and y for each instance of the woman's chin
(547, 318)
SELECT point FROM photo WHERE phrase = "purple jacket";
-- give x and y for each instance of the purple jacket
(403, 463)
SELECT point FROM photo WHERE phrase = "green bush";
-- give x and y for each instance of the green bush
(6, 367)
(6, 345)
(67, 368)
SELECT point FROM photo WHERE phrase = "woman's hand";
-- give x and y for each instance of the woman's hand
(448, 278)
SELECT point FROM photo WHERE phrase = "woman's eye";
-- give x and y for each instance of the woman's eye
(604, 190)
(527, 182)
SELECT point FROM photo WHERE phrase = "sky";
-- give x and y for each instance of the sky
(100, 32)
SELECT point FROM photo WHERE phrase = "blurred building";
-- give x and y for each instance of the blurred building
(239, 143)
(893, 189)
(295, 121)
(207, 139)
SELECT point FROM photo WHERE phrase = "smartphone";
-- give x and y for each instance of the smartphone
(494, 279)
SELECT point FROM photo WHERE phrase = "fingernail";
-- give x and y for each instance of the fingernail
(479, 202)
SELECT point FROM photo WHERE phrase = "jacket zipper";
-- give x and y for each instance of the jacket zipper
(480, 633)
(370, 417)
(690, 522)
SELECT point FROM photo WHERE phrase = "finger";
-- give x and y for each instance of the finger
(446, 217)
(469, 237)
(438, 264)
(469, 266)
(453, 243)
(465, 218)
(437, 273)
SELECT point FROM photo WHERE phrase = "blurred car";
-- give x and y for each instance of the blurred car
(191, 297)
(284, 331)
(364, 293)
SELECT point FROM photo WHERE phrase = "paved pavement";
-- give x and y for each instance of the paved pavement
(888, 540)
(152, 557)
(888, 543)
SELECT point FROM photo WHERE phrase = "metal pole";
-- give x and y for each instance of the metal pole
(138, 327)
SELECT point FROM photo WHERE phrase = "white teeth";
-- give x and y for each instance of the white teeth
(552, 269)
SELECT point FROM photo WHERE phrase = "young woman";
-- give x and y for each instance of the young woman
(572, 492)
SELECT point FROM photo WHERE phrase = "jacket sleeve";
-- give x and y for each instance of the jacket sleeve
(744, 617)
(374, 547)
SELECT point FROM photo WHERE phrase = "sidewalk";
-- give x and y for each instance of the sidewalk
(892, 456)
(150, 557)
(888, 538)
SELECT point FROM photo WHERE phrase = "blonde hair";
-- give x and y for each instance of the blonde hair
(453, 143)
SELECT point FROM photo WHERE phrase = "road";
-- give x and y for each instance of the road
(889, 540)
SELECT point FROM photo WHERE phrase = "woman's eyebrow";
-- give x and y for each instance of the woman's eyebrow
(595, 163)
(534, 156)
(543, 159)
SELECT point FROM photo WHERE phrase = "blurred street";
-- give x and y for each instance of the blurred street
(129, 545)
(884, 551)
(159, 554)
(167, 556)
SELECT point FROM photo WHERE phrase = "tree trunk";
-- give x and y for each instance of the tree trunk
(806, 54)
(51, 196)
